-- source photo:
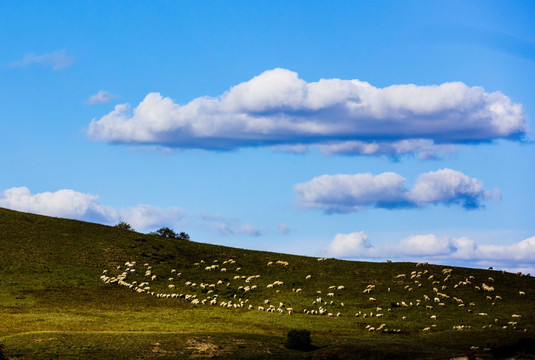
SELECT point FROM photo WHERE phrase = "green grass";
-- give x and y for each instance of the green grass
(53, 303)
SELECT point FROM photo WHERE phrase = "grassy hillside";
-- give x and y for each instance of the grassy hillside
(70, 289)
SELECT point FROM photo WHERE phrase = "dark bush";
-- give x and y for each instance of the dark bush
(166, 232)
(124, 226)
(2, 355)
(183, 236)
(524, 346)
(169, 233)
(298, 339)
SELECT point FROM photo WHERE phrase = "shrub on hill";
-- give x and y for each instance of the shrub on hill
(298, 339)
(183, 236)
(124, 226)
(2, 356)
(169, 233)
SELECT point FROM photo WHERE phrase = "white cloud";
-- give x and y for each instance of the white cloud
(284, 229)
(76, 205)
(349, 193)
(350, 245)
(438, 249)
(425, 148)
(149, 217)
(521, 251)
(447, 186)
(56, 60)
(342, 116)
(102, 97)
(420, 245)
(224, 225)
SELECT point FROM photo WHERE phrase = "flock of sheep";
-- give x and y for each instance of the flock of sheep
(200, 293)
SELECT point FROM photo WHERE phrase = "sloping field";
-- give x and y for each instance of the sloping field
(72, 290)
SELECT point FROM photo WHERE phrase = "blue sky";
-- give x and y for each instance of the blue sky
(359, 130)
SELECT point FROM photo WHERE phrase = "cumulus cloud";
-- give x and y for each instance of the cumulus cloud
(350, 245)
(425, 245)
(350, 193)
(224, 225)
(150, 217)
(519, 255)
(55, 60)
(277, 108)
(76, 205)
(102, 97)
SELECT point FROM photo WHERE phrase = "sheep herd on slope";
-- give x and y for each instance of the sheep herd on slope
(199, 293)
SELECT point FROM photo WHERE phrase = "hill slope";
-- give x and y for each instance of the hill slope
(71, 289)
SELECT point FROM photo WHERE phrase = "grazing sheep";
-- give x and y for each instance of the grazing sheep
(308, 277)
